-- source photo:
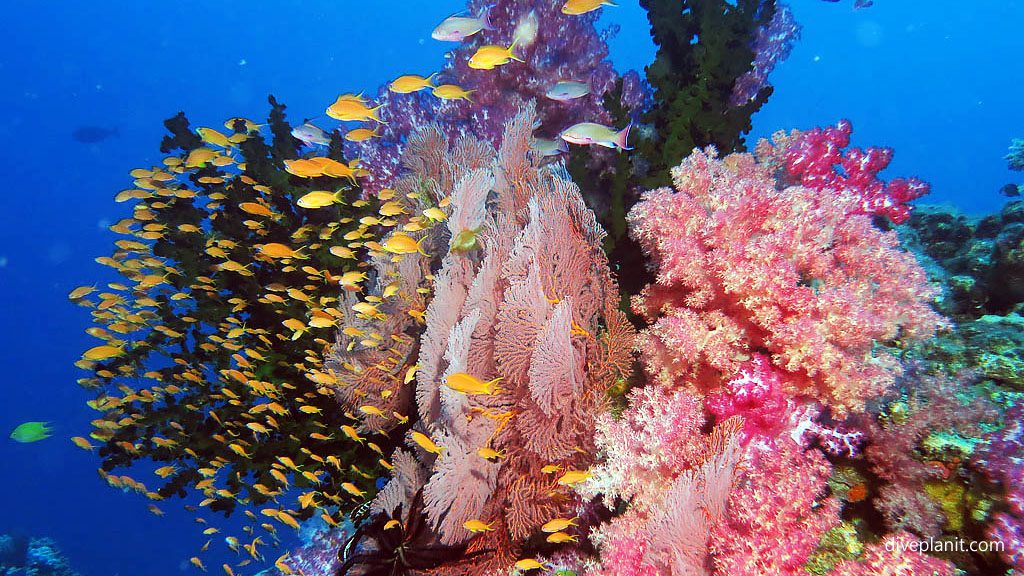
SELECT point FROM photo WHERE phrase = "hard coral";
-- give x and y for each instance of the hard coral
(744, 267)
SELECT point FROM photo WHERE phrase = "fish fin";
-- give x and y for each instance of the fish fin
(511, 46)
(485, 17)
(621, 137)
(609, 3)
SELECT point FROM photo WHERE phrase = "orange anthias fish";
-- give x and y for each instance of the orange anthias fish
(352, 109)
(469, 384)
(452, 92)
(490, 56)
(577, 7)
(411, 83)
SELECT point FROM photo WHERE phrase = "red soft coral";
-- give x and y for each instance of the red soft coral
(745, 267)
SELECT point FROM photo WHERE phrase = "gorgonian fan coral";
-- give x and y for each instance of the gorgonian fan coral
(744, 267)
(529, 300)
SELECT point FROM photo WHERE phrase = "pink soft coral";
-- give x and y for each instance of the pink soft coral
(745, 267)
(777, 515)
(894, 556)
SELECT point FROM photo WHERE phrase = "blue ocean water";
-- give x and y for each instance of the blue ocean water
(938, 81)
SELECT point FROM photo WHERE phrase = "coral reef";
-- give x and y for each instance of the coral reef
(529, 302)
(1015, 158)
(905, 450)
(796, 274)
(820, 160)
(1000, 459)
(772, 44)
(20, 556)
(552, 46)
(433, 294)
(979, 259)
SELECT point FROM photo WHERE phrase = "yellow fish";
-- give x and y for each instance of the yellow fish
(211, 136)
(353, 490)
(399, 243)
(257, 209)
(278, 250)
(199, 157)
(81, 292)
(83, 443)
(577, 7)
(360, 134)
(103, 352)
(467, 384)
(410, 83)
(372, 411)
(476, 526)
(561, 537)
(528, 564)
(320, 199)
(347, 110)
(491, 56)
(250, 126)
(435, 214)
(490, 454)
(558, 524)
(452, 92)
(573, 477)
(426, 443)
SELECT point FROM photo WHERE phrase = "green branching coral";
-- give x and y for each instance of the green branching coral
(704, 46)
(213, 338)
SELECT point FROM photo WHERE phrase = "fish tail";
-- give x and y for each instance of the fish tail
(621, 137)
(485, 17)
(511, 47)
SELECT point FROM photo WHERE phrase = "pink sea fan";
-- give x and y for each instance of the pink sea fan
(532, 303)
(459, 487)
(555, 371)
(744, 267)
(670, 520)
